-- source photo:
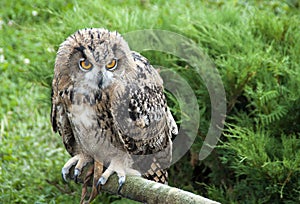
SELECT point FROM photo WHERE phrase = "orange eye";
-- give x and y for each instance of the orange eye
(112, 65)
(85, 64)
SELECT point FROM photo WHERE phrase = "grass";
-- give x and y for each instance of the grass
(255, 47)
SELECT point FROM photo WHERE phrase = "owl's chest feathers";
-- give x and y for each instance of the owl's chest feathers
(91, 121)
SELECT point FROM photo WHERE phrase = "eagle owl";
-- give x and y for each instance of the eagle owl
(108, 105)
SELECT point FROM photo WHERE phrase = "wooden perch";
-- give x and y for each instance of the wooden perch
(146, 191)
(138, 189)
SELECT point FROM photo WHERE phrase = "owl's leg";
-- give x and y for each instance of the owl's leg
(80, 161)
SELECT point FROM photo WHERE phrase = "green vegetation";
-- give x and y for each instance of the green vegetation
(254, 44)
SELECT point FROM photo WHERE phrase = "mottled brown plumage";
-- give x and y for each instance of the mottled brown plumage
(108, 105)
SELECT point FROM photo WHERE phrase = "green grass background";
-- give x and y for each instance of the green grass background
(255, 46)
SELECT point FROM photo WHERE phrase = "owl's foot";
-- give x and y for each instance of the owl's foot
(107, 173)
(120, 167)
(80, 161)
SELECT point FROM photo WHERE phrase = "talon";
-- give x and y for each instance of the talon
(121, 183)
(77, 173)
(63, 176)
(64, 173)
(79, 161)
(101, 182)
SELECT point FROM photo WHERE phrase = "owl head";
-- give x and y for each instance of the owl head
(93, 58)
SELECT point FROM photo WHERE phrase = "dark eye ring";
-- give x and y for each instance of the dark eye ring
(85, 64)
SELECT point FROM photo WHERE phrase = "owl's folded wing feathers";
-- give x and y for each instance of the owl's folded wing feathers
(139, 107)
(144, 121)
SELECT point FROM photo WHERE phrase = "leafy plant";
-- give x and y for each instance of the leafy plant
(255, 46)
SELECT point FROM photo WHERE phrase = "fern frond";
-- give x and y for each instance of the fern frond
(266, 97)
(275, 115)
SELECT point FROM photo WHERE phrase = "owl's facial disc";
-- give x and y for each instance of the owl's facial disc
(97, 78)
(96, 74)
(102, 77)
(101, 57)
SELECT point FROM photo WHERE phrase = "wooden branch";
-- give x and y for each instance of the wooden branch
(138, 189)
(146, 191)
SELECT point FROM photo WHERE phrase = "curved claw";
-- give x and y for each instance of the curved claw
(77, 173)
(64, 173)
(79, 161)
(121, 183)
(101, 182)
(64, 178)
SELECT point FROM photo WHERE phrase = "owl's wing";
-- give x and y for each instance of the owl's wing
(59, 119)
(143, 120)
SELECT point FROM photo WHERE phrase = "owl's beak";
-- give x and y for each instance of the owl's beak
(100, 78)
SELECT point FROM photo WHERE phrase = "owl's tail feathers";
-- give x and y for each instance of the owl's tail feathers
(86, 183)
(94, 171)
(159, 175)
